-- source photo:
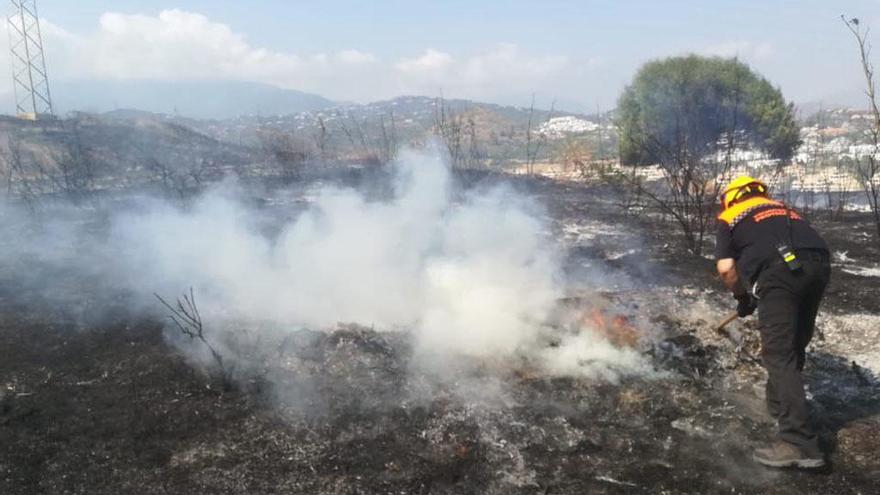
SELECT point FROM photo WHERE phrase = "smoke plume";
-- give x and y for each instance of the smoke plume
(472, 274)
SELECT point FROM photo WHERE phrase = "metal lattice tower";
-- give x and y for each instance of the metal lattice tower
(32, 97)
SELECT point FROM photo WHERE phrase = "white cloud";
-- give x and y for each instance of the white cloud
(356, 57)
(179, 45)
(508, 60)
(185, 45)
(747, 50)
(432, 62)
(502, 68)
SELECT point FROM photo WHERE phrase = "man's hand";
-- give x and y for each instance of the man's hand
(746, 304)
(727, 271)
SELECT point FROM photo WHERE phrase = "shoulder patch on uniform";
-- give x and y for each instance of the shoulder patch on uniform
(775, 212)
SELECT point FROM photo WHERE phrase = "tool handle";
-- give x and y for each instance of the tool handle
(726, 321)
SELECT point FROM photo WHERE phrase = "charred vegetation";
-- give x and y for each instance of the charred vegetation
(111, 403)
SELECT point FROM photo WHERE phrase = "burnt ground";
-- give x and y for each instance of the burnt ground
(114, 407)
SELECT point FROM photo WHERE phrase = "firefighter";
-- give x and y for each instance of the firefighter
(773, 261)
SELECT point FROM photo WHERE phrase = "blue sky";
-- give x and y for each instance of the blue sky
(579, 52)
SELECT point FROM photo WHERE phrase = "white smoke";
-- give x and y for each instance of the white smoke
(587, 354)
(476, 275)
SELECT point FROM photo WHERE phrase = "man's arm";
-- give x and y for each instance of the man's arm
(745, 303)
(727, 271)
(726, 265)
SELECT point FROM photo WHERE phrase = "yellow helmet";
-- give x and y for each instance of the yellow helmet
(739, 187)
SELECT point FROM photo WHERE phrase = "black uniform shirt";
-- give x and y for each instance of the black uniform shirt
(753, 241)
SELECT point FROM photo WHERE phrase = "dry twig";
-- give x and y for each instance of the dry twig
(185, 315)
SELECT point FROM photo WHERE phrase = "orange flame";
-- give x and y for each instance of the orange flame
(617, 329)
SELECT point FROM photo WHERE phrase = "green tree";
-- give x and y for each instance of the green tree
(688, 115)
(693, 104)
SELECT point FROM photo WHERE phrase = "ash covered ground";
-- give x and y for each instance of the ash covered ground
(101, 394)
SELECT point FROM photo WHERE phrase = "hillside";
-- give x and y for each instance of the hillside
(496, 133)
(195, 99)
(86, 153)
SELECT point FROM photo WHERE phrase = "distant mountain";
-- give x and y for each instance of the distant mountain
(409, 115)
(199, 100)
(357, 130)
(854, 98)
(423, 109)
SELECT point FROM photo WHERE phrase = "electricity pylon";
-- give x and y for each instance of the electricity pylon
(32, 97)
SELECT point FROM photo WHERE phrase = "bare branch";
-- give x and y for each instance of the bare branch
(867, 167)
(185, 315)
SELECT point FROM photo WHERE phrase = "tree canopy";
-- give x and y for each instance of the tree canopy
(689, 104)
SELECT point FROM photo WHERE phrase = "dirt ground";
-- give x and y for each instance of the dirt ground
(113, 407)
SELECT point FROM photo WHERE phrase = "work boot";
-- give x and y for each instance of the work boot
(783, 454)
